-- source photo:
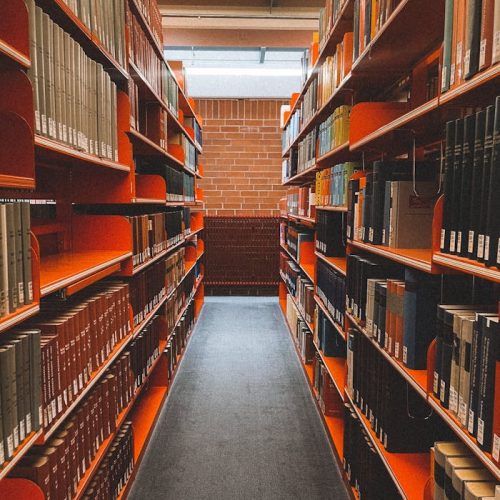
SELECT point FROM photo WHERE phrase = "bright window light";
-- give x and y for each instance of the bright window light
(242, 71)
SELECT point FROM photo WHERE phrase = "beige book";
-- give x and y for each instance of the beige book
(480, 490)
(461, 477)
(442, 451)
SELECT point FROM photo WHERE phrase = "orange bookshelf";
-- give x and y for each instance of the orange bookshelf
(337, 263)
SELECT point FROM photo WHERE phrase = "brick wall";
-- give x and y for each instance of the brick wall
(241, 156)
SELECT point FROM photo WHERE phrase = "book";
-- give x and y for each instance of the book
(472, 38)
(461, 477)
(496, 34)
(447, 45)
(442, 452)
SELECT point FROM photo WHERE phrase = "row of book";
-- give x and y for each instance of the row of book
(458, 474)
(299, 201)
(464, 377)
(147, 288)
(307, 152)
(369, 18)
(330, 233)
(377, 389)
(471, 208)
(328, 397)
(152, 14)
(295, 236)
(170, 91)
(327, 338)
(142, 54)
(175, 269)
(20, 389)
(331, 290)
(292, 129)
(76, 339)
(116, 468)
(388, 206)
(289, 165)
(107, 21)
(363, 466)
(192, 122)
(301, 334)
(332, 184)
(16, 280)
(334, 131)
(334, 70)
(328, 16)
(180, 185)
(149, 237)
(75, 100)
(309, 103)
(471, 40)
(70, 451)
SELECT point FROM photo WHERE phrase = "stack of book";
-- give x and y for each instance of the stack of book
(327, 338)
(300, 201)
(292, 130)
(458, 474)
(74, 98)
(471, 207)
(301, 334)
(309, 104)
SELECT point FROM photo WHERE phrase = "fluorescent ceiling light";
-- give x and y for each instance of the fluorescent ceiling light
(242, 71)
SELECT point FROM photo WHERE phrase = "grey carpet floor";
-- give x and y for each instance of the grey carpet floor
(239, 422)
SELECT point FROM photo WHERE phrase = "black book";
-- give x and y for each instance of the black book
(353, 188)
(489, 355)
(367, 208)
(491, 253)
(466, 181)
(472, 37)
(485, 185)
(448, 186)
(475, 192)
(457, 185)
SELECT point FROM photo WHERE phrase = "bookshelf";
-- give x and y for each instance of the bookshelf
(73, 252)
(384, 125)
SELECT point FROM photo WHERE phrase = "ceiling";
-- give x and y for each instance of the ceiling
(257, 23)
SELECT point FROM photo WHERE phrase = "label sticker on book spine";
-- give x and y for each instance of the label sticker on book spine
(480, 430)
(396, 349)
(452, 241)
(470, 428)
(495, 452)
(480, 246)
(443, 234)
(405, 354)
(462, 412)
(470, 247)
(443, 391)
(486, 247)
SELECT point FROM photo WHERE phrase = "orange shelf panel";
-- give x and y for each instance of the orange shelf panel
(418, 379)
(336, 155)
(307, 268)
(53, 151)
(410, 471)
(301, 219)
(61, 270)
(20, 315)
(194, 233)
(13, 54)
(145, 415)
(335, 427)
(320, 304)
(338, 263)
(14, 33)
(30, 440)
(418, 258)
(175, 124)
(144, 145)
(467, 266)
(309, 372)
(332, 209)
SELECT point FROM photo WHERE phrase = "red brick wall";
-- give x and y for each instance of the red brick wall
(241, 156)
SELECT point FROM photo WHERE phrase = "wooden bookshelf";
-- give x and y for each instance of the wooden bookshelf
(307, 269)
(467, 266)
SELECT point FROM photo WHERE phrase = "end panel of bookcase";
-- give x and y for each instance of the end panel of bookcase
(14, 32)
(150, 187)
(20, 489)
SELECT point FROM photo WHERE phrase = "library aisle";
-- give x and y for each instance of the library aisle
(239, 421)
